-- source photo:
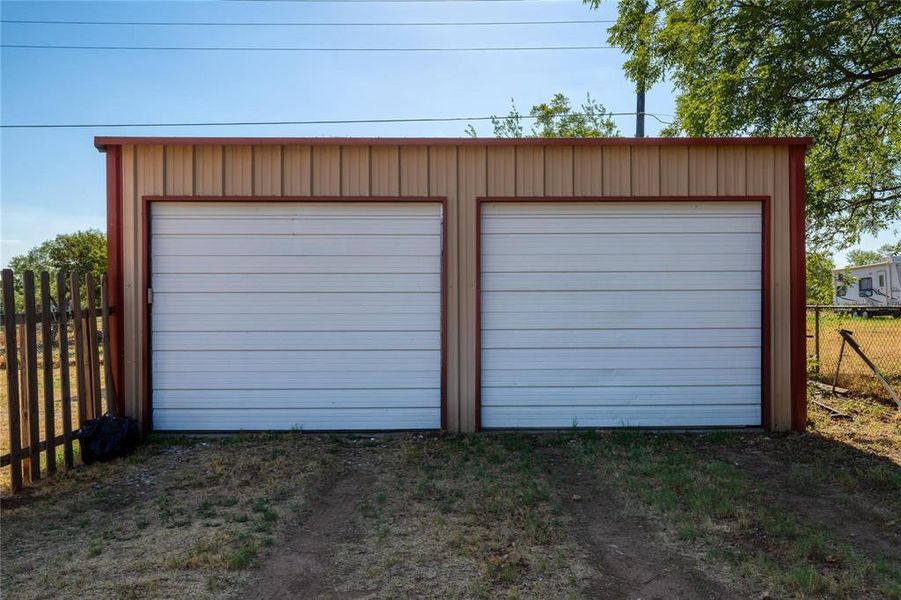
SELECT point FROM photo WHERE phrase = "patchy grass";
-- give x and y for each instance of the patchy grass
(737, 516)
(183, 517)
(812, 515)
(462, 516)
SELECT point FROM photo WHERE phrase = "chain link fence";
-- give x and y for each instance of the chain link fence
(878, 336)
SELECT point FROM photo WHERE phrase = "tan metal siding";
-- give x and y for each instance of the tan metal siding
(472, 183)
(414, 171)
(674, 170)
(267, 170)
(237, 170)
(646, 171)
(588, 171)
(730, 171)
(149, 175)
(500, 171)
(385, 171)
(780, 324)
(355, 171)
(530, 171)
(179, 170)
(702, 173)
(461, 174)
(558, 171)
(326, 170)
(443, 182)
(297, 170)
(208, 170)
(131, 335)
(617, 170)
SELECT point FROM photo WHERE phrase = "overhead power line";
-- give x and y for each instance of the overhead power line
(295, 49)
(314, 122)
(389, 1)
(306, 23)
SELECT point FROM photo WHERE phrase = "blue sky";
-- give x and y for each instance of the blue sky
(52, 181)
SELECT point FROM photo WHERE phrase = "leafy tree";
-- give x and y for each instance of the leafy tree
(556, 119)
(864, 257)
(80, 252)
(829, 70)
(891, 249)
(819, 278)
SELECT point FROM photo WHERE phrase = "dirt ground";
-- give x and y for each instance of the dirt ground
(575, 514)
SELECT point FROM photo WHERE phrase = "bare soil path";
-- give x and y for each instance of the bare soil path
(628, 558)
(302, 566)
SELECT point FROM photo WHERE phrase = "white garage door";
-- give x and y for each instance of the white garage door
(296, 315)
(621, 314)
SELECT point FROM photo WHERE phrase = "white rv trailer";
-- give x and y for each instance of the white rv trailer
(870, 290)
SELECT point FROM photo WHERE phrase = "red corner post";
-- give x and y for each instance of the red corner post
(797, 199)
(114, 269)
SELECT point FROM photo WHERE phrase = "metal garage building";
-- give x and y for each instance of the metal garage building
(460, 284)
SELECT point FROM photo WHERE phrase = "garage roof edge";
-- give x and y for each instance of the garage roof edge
(101, 142)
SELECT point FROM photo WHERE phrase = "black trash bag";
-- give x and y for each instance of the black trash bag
(106, 438)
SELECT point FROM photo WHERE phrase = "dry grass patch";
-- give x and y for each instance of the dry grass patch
(811, 515)
(462, 516)
(182, 517)
(880, 339)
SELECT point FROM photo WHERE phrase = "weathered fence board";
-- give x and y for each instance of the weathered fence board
(47, 347)
(93, 350)
(30, 413)
(65, 392)
(81, 386)
(33, 412)
(12, 379)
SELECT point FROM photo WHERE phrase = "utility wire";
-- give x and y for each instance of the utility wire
(294, 49)
(317, 122)
(389, 1)
(305, 23)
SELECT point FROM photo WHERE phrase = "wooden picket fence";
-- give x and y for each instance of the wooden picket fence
(26, 442)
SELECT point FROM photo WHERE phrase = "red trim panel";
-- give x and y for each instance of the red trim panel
(797, 199)
(101, 142)
(765, 276)
(145, 283)
(114, 270)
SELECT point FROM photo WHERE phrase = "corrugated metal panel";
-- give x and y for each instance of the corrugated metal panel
(472, 183)
(267, 170)
(702, 170)
(617, 171)
(558, 171)
(588, 171)
(730, 172)
(327, 170)
(385, 171)
(543, 368)
(414, 171)
(297, 170)
(131, 335)
(355, 171)
(781, 292)
(309, 350)
(238, 170)
(646, 171)
(674, 170)
(683, 169)
(530, 171)
(208, 170)
(443, 182)
(179, 170)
